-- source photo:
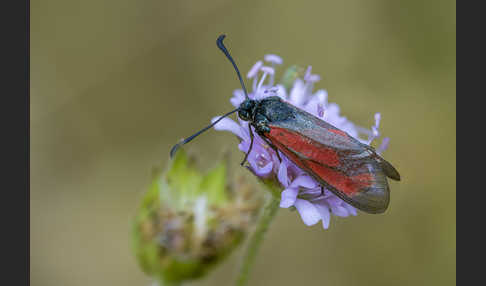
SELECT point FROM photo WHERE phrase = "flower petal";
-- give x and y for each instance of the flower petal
(263, 171)
(260, 161)
(339, 210)
(375, 133)
(288, 197)
(244, 146)
(268, 70)
(297, 94)
(317, 103)
(228, 124)
(383, 146)
(254, 69)
(309, 77)
(238, 97)
(332, 114)
(303, 181)
(351, 210)
(321, 96)
(323, 210)
(281, 92)
(336, 205)
(274, 59)
(377, 119)
(282, 174)
(307, 211)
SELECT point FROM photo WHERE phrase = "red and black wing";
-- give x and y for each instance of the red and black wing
(348, 168)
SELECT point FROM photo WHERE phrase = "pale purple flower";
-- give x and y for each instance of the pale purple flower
(313, 202)
(274, 59)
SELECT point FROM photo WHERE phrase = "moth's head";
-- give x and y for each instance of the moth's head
(246, 109)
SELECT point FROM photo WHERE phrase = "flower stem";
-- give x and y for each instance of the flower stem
(269, 212)
(166, 283)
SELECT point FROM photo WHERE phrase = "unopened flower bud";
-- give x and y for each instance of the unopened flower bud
(189, 221)
(290, 75)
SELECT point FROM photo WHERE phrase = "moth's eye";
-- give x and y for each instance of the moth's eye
(244, 114)
(248, 104)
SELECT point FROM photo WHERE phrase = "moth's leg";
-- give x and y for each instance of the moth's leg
(261, 127)
(251, 145)
(322, 191)
(276, 152)
(261, 124)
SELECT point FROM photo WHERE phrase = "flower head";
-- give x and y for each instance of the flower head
(188, 221)
(313, 202)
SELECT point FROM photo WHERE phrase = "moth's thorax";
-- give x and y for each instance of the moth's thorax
(274, 109)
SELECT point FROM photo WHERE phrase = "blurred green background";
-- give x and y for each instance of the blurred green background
(115, 83)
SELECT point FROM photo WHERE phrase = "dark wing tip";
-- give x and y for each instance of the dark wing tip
(389, 170)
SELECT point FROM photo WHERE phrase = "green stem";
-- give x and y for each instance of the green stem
(167, 283)
(269, 212)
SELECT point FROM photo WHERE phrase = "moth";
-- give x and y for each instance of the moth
(353, 171)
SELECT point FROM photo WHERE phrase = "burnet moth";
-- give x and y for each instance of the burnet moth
(353, 171)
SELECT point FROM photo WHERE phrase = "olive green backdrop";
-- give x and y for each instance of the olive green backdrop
(115, 83)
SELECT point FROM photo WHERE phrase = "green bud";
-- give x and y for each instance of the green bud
(290, 75)
(189, 221)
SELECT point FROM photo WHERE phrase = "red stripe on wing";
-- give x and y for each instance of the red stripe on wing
(349, 185)
(305, 146)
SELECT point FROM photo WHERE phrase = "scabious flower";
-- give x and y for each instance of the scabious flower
(313, 202)
(189, 221)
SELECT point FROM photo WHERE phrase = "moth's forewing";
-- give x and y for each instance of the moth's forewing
(359, 182)
(338, 161)
(287, 116)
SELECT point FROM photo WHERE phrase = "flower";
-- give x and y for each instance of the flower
(313, 202)
(188, 222)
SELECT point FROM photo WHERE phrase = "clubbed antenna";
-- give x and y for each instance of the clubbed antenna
(189, 139)
(221, 46)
